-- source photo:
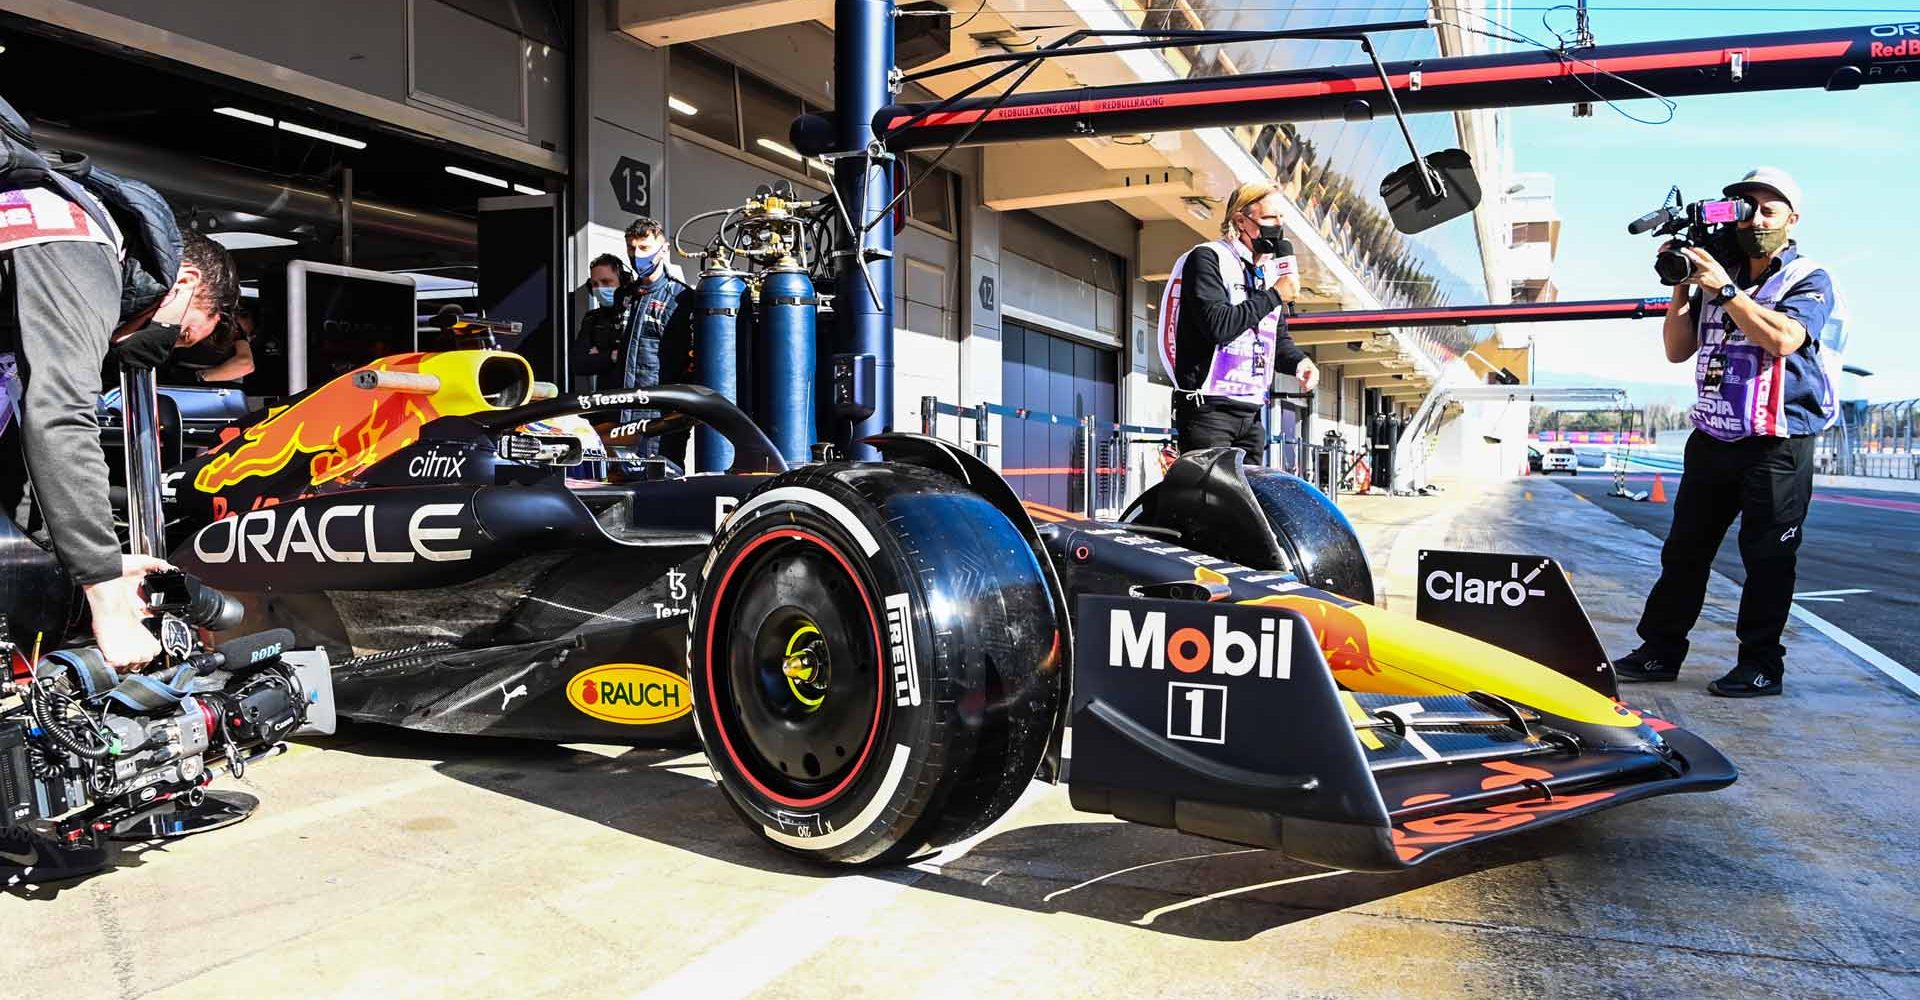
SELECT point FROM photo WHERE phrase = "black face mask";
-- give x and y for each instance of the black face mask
(145, 348)
(1272, 240)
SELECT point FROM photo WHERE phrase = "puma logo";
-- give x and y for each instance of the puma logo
(510, 695)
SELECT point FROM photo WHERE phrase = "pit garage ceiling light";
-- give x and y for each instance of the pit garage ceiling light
(294, 127)
(523, 189)
(314, 133)
(476, 176)
(245, 116)
(681, 107)
(240, 240)
(783, 149)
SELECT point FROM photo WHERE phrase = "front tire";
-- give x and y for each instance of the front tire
(874, 662)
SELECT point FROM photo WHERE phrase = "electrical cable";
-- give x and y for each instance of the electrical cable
(1563, 53)
(992, 105)
(944, 13)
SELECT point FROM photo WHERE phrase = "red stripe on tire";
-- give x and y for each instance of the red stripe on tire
(880, 669)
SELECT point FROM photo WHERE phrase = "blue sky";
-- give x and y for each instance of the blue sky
(1856, 156)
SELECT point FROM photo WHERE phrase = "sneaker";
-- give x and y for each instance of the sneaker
(1745, 682)
(1640, 665)
(29, 857)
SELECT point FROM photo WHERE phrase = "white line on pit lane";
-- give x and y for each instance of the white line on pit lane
(847, 905)
(1876, 659)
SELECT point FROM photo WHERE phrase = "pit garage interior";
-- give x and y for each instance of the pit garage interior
(488, 149)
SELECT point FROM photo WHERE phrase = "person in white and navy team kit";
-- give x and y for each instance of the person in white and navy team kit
(1765, 340)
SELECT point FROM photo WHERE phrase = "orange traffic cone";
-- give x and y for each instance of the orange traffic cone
(1659, 490)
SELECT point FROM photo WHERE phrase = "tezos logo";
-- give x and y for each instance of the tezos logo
(602, 400)
(630, 694)
(1908, 48)
(1142, 641)
(1459, 588)
(906, 675)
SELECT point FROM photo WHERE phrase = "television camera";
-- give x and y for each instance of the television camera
(90, 752)
(1704, 224)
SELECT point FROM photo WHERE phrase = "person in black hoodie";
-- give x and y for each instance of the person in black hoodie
(596, 347)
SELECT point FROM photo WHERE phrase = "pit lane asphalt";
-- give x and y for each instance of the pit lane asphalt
(391, 865)
(1855, 540)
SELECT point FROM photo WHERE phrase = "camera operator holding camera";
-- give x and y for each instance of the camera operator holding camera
(1223, 312)
(1755, 318)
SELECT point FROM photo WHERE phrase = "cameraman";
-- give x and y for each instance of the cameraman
(1226, 307)
(1755, 334)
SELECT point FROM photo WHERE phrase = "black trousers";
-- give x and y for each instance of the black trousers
(1212, 426)
(1768, 482)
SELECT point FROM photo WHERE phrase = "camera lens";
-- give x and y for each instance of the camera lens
(1673, 267)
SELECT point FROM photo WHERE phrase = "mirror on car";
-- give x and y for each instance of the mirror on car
(1414, 208)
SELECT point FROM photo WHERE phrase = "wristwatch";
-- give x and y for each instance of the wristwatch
(1727, 292)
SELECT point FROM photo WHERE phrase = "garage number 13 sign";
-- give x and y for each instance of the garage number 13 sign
(633, 186)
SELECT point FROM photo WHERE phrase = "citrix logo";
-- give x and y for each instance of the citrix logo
(434, 465)
(1229, 652)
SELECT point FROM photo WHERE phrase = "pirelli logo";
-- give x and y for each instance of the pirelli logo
(906, 674)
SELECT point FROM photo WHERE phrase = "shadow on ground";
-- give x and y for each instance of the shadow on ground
(1111, 871)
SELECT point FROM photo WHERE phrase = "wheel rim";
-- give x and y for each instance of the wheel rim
(801, 664)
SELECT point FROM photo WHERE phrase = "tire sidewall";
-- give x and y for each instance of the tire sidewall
(903, 758)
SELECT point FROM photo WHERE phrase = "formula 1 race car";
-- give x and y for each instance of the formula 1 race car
(878, 657)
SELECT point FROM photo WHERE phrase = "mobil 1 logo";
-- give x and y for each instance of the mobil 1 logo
(1197, 713)
(1202, 701)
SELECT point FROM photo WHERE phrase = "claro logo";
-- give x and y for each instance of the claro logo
(1141, 641)
(1456, 587)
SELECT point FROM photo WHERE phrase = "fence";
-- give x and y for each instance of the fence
(1112, 446)
(1875, 440)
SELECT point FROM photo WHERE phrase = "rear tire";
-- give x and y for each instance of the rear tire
(874, 662)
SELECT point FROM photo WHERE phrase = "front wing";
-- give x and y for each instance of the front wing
(1225, 721)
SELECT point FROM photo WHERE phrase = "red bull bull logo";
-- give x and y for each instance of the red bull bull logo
(338, 429)
(1341, 634)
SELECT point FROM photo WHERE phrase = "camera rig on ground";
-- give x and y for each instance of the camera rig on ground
(89, 751)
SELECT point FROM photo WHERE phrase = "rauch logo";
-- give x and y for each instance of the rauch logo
(630, 694)
(1142, 641)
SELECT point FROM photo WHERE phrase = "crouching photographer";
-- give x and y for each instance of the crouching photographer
(1763, 326)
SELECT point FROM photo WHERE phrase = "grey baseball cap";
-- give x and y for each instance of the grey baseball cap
(1772, 178)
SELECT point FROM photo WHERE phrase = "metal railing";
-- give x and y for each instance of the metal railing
(1877, 440)
(1111, 446)
(1105, 442)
